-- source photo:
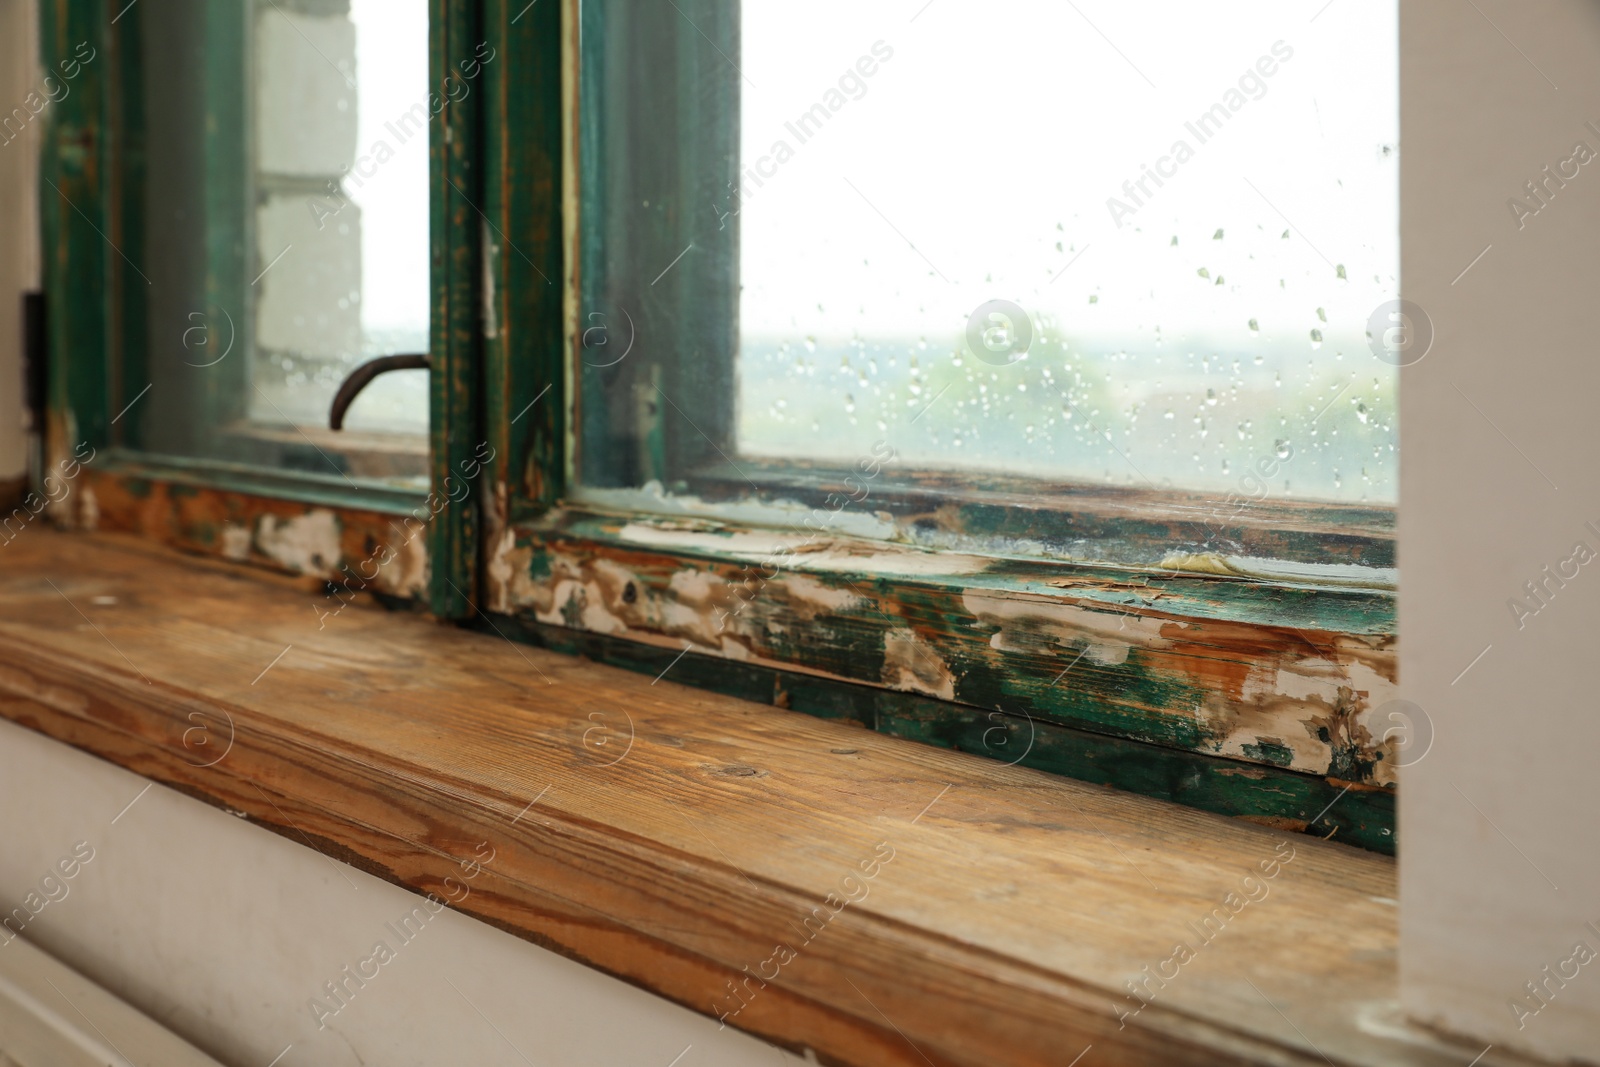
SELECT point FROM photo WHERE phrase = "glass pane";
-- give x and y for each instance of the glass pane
(277, 168)
(660, 297)
(1009, 236)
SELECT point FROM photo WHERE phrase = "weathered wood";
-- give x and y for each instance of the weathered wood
(355, 550)
(73, 209)
(1235, 630)
(1068, 520)
(1288, 800)
(1260, 672)
(705, 830)
(525, 319)
(457, 233)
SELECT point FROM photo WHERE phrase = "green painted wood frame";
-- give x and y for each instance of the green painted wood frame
(1157, 665)
(91, 168)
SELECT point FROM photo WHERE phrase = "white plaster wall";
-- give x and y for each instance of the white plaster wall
(305, 115)
(304, 64)
(19, 227)
(224, 931)
(1500, 472)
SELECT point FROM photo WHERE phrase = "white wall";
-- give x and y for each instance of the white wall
(223, 932)
(1499, 870)
(19, 227)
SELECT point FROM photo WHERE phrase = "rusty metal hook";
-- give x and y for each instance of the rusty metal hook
(362, 376)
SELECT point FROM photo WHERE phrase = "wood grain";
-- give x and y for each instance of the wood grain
(674, 837)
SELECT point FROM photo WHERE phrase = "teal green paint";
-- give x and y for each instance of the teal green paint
(228, 129)
(1270, 752)
(1130, 539)
(455, 175)
(539, 566)
(1358, 817)
(1041, 521)
(502, 163)
(1356, 612)
(73, 216)
(141, 472)
(525, 356)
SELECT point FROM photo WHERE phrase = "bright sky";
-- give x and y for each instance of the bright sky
(1000, 128)
(391, 75)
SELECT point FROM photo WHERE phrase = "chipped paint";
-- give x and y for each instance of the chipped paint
(694, 587)
(365, 550)
(505, 562)
(62, 429)
(1192, 662)
(910, 664)
(235, 542)
(1306, 707)
(811, 598)
(490, 255)
(820, 555)
(408, 570)
(1101, 636)
(1281, 570)
(86, 508)
(773, 515)
(305, 544)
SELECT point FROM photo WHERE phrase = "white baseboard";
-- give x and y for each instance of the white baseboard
(51, 1016)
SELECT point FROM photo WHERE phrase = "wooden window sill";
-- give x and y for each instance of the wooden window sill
(675, 838)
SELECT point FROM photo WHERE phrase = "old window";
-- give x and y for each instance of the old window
(982, 374)
(271, 163)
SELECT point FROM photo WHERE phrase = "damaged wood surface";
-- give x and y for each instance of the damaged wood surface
(456, 237)
(940, 909)
(1286, 800)
(1261, 673)
(1096, 673)
(1033, 516)
(359, 550)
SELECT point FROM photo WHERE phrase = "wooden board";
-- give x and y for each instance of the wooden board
(681, 840)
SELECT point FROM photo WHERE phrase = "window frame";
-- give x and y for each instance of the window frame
(570, 574)
(202, 504)
(925, 639)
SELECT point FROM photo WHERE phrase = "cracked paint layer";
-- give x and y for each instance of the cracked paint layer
(912, 665)
(364, 549)
(1194, 662)
(304, 544)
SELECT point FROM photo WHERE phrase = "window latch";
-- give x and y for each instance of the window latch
(362, 376)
